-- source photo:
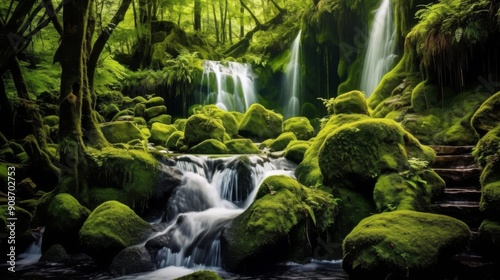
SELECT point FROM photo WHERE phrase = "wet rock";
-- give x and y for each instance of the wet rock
(131, 260)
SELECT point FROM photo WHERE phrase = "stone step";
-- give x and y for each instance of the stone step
(454, 161)
(459, 176)
(451, 150)
(466, 211)
(461, 194)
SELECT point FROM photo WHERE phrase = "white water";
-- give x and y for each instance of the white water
(212, 193)
(291, 84)
(380, 53)
(230, 86)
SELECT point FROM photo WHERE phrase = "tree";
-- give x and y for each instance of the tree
(197, 15)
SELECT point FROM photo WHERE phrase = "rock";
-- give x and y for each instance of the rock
(200, 127)
(180, 124)
(131, 260)
(402, 243)
(487, 117)
(489, 236)
(126, 112)
(121, 132)
(259, 124)
(25, 189)
(110, 111)
(109, 229)
(209, 147)
(172, 140)
(139, 99)
(300, 126)
(161, 132)
(241, 146)
(153, 112)
(261, 235)
(140, 121)
(353, 102)
(296, 149)
(355, 155)
(154, 101)
(227, 119)
(425, 96)
(282, 141)
(64, 218)
(140, 110)
(201, 275)
(164, 119)
(53, 120)
(55, 254)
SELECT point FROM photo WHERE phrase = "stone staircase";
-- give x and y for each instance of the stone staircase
(462, 194)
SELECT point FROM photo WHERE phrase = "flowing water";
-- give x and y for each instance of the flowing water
(381, 48)
(229, 85)
(291, 90)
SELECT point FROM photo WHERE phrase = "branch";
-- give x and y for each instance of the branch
(257, 22)
(281, 10)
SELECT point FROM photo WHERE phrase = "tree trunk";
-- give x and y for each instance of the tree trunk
(216, 24)
(17, 76)
(197, 15)
(6, 125)
(242, 22)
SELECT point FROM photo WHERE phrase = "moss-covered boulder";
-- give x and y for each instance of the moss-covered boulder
(180, 124)
(121, 132)
(154, 101)
(164, 119)
(55, 254)
(353, 102)
(402, 243)
(110, 228)
(201, 275)
(296, 149)
(261, 235)
(425, 96)
(489, 236)
(308, 171)
(155, 111)
(131, 260)
(487, 117)
(300, 126)
(209, 147)
(280, 143)
(200, 127)
(227, 119)
(53, 120)
(242, 146)
(356, 154)
(65, 216)
(172, 140)
(161, 132)
(127, 113)
(259, 124)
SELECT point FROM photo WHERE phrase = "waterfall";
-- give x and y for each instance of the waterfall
(380, 53)
(213, 192)
(291, 84)
(230, 86)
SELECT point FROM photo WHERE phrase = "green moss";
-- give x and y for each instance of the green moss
(200, 127)
(201, 275)
(490, 200)
(164, 119)
(227, 119)
(51, 120)
(487, 117)
(140, 110)
(161, 132)
(424, 96)
(110, 228)
(259, 123)
(121, 132)
(209, 147)
(154, 101)
(121, 114)
(266, 143)
(242, 146)
(282, 141)
(296, 149)
(180, 124)
(489, 235)
(140, 121)
(155, 111)
(403, 242)
(98, 196)
(423, 127)
(172, 140)
(308, 172)
(353, 102)
(488, 147)
(238, 116)
(300, 126)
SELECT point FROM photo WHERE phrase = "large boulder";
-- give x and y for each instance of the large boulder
(227, 118)
(356, 154)
(209, 147)
(110, 228)
(296, 149)
(265, 233)
(280, 143)
(300, 126)
(353, 102)
(259, 124)
(64, 218)
(121, 132)
(131, 260)
(402, 243)
(161, 132)
(487, 116)
(200, 128)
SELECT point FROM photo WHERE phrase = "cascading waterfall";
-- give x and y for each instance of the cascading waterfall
(230, 86)
(212, 193)
(380, 53)
(291, 84)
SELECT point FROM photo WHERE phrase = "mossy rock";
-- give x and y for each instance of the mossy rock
(123, 113)
(489, 236)
(180, 124)
(209, 147)
(140, 110)
(296, 149)
(55, 254)
(487, 149)
(425, 96)
(121, 132)
(353, 102)
(259, 124)
(308, 171)
(402, 242)
(161, 132)
(227, 119)
(280, 143)
(139, 99)
(110, 228)
(260, 236)
(155, 111)
(356, 154)
(490, 200)
(135, 259)
(140, 121)
(266, 144)
(238, 116)
(308, 110)
(98, 196)
(164, 119)
(201, 275)
(200, 128)
(487, 117)
(172, 140)
(154, 101)
(65, 217)
(109, 111)
(53, 120)
(22, 229)
(242, 146)
(423, 127)
(300, 126)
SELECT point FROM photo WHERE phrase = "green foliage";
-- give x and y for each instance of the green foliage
(185, 69)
